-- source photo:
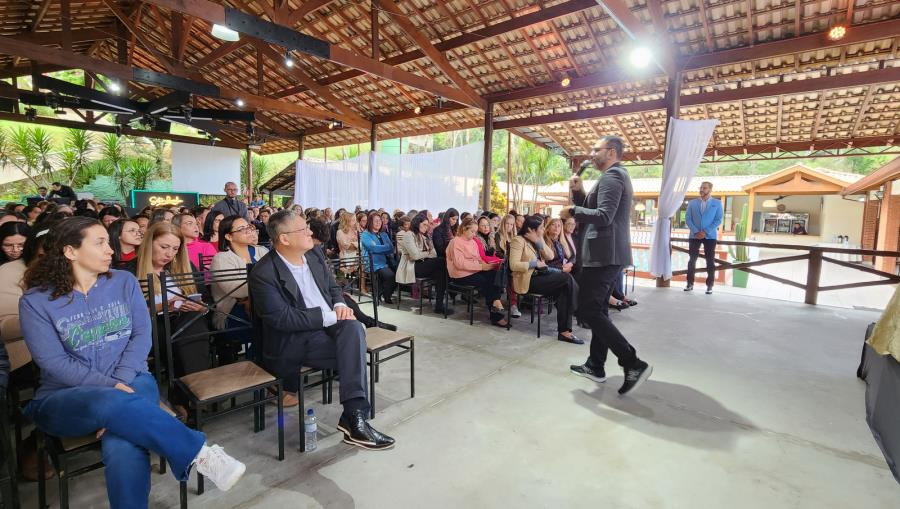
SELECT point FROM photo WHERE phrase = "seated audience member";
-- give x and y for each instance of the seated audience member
(42, 193)
(528, 256)
(502, 239)
(378, 243)
(161, 215)
(562, 258)
(486, 236)
(12, 241)
(196, 247)
(305, 322)
(108, 215)
(163, 250)
(200, 212)
(261, 221)
(143, 222)
(211, 227)
(348, 242)
(86, 212)
(520, 220)
(94, 377)
(444, 232)
(465, 267)
(568, 238)
(11, 217)
(361, 221)
(11, 276)
(258, 201)
(31, 213)
(237, 249)
(320, 233)
(418, 259)
(495, 221)
(403, 227)
(125, 238)
(62, 192)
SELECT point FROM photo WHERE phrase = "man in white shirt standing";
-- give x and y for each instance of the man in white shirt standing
(305, 322)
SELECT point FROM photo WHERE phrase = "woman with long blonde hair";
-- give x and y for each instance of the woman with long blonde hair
(504, 235)
(348, 242)
(562, 257)
(163, 251)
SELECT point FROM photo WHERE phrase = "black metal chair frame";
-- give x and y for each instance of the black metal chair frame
(421, 283)
(375, 362)
(8, 479)
(260, 394)
(536, 301)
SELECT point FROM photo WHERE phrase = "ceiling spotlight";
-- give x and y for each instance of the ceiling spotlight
(114, 87)
(225, 33)
(418, 110)
(565, 82)
(288, 60)
(837, 32)
(335, 124)
(439, 102)
(640, 57)
(239, 102)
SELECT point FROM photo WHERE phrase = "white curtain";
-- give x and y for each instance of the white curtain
(686, 141)
(433, 180)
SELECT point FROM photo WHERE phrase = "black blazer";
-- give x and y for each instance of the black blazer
(279, 308)
(604, 220)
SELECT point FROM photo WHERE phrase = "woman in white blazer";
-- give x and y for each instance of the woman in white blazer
(237, 249)
(418, 258)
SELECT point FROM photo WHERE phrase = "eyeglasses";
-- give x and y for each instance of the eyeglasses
(305, 228)
(245, 229)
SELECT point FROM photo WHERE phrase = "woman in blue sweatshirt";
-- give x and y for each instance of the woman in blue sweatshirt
(378, 243)
(88, 330)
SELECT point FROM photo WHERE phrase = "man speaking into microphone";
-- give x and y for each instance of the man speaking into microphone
(604, 221)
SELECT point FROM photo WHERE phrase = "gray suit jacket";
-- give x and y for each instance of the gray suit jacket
(279, 309)
(230, 208)
(604, 220)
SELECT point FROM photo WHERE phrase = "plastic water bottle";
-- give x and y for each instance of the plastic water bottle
(311, 430)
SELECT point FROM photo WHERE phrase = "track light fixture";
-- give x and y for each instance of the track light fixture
(439, 102)
(335, 124)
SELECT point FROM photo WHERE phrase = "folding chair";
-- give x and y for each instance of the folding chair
(215, 385)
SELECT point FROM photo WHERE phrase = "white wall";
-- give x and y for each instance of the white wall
(842, 217)
(203, 169)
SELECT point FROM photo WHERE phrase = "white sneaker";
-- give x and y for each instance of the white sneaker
(223, 470)
(514, 312)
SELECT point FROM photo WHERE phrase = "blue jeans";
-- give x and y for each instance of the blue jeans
(135, 425)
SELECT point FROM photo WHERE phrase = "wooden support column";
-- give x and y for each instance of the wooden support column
(509, 200)
(488, 147)
(376, 49)
(888, 221)
(673, 101)
(122, 52)
(813, 275)
(300, 141)
(751, 202)
(373, 147)
(249, 175)
(724, 199)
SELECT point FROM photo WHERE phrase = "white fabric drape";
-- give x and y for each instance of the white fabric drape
(433, 180)
(686, 141)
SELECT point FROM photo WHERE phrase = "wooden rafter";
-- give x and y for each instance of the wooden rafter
(619, 11)
(425, 45)
(221, 51)
(142, 38)
(819, 118)
(650, 131)
(575, 136)
(863, 108)
(623, 131)
(39, 16)
(707, 33)
(305, 8)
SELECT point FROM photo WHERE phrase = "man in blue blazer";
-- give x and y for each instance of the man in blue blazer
(704, 215)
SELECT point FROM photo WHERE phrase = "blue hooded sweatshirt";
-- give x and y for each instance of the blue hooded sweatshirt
(98, 339)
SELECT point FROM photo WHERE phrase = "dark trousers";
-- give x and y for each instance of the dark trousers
(386, 282)
(561, 287)
(361, 317)
(484, 282)
(340, 347)
(595, 286)
(435, 268)
(709, 254)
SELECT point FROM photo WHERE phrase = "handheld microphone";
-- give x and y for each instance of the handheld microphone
(584, 166)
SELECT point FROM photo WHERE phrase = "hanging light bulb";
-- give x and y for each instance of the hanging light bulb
(418, 110)
(640, 57)
(239, 102)
(114, 87)
(288, 60)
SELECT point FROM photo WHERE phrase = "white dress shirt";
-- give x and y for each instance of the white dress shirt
(312, 296)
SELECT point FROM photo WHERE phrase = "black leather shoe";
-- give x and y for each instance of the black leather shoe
(570, 339)
(358, 432)
(387, 300)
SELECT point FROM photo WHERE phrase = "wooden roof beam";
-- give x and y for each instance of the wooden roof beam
(811, 42)
(290, 39)
(619, 11)
(320, 90)
(859, 79)
(141, 37)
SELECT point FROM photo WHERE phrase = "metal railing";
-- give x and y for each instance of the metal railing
(815, 257)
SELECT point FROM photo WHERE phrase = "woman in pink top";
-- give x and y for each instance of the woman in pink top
(466, 267)
(190, 228)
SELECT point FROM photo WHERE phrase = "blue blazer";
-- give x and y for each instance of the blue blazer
(380, 250)
(708, 222)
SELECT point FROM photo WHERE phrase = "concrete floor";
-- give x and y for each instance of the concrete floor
(753, 403)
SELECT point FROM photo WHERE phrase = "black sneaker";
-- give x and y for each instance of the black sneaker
(708, 290)
(596, 374)
(635, 376)
(689, 288)
(358, 432)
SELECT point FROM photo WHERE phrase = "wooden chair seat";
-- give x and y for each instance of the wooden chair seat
(227, 379)
(69, 444)
(379, 339)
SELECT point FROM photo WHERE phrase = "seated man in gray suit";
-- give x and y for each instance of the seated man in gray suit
(305, 322)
